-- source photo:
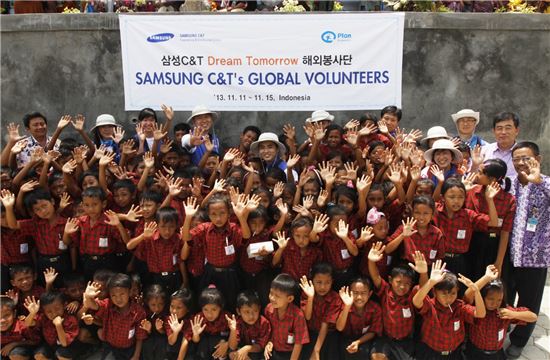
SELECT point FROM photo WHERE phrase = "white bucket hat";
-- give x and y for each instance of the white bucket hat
(466, 113)
(319, 115)
(436, 132)
(443, 144)
(104, 119)
(268, 136)
(201, 110)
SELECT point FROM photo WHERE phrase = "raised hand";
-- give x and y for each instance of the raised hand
(293, 160)
(190, 206)
(50, 275)
(28, 186)
(19, 146)
(415, 172)
(437, 172)
(239, 208)
(307, 287)
(166, 146)
(352, 136)
(491, 272)
(281, 206)
(383, 127)
(159, 324)
(281, 240)
(534, 171)
(363, 183)
(307, 201)
(420, 264)
(78, 122)
(64, 121)
(92, 290)
(346, 295)
(107, 158)
(219, 186)
(175, 324)
(351, 171)
(32, 305)
(134, 213)
(395, 173)
(492, 190)
(12, 294)
(197, 136)
(416, 157)
(146, 325)
(308, 129)
(231, 322)
(13, 132)
(376, 252)
(128, 147)
(168, 112)
(320, 224)
(299, 209)
(318, 131)
(118, 134)
(148, 160)
(72, 307)
(342, 230)
(100, 151)
(175, 187)
(469, 283)
(36, 155)
(408, 227)
(71, 226)
(469, 180)
(113, 218)
(289, 131)
(231, 154)
(208, 143)
(139, 131)
(149, 229)
(197, 325)
(368, 129)
(352, 124)
(159, 133)
(322, 198)
(438, 271)
(87, 319)
(7, 198)
(278, 189)
(477, 158)
(366, 235)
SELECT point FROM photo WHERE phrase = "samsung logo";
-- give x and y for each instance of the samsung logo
(160, 37)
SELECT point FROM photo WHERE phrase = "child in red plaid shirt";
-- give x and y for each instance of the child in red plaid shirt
(154, 347)
(444, 316)
(178, 324)
(16, 339)
(23, 280)
(487, 335)
(288, 323)
(321, 306)
(250, 332)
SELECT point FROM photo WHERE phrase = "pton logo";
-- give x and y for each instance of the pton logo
(330, 36)
(160, 37)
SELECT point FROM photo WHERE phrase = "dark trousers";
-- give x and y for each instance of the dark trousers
(206, 346)
(424, 352)
(226, 281)
(92, 263)
(118, 353)
(456, 263)
(473, 353)
(329, 350)
(61, 264)
(528, 284)
(281, 355)
(259, 282)
(483, 251)
(154, 347)
(393, 349)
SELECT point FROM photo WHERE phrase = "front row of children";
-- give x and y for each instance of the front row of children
(326, 325)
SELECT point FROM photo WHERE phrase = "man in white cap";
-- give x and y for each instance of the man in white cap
(201, 121)
(466, 121)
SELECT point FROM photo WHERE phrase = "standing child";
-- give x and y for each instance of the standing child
(287, 321)
(178, 323)
(154, 347)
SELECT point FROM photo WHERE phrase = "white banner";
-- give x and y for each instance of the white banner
(263, 62)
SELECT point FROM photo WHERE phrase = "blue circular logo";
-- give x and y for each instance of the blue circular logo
(328, 36)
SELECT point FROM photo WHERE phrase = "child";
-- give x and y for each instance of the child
(58, 328)
(360, 320)
(419, 234)
(178, 323)
(321, 306)
(154, 347)
(16, 339)
(220, 241)
(297, 255)
(96, 233)
(250, 332)
(444, 316)
(376, 231)
(121, 332)
(287, 321)
(161, 247)
(209, 329)
(487, 335)
(23, 278)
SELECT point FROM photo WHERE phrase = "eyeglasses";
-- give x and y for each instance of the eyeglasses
(520, 159)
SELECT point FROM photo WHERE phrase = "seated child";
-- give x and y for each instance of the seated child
(178, 323)
(16, 339)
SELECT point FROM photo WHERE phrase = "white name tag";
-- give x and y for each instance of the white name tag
(23, 248)
(355, 233)
(345, 254)
(532, 224)
(174, 259)
(229, 250)
(131, 333)
(433, 254)
(388, 261)
(456, 325)
(61, 245)
(500, 334)
(365, 329)
(407, 312)
(103, 242)
(290, 339)
(499, 223)
(461, 234)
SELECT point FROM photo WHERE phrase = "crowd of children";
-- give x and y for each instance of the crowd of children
(364, 241)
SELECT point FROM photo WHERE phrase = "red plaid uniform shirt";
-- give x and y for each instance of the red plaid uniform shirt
(489, 333)
(504, 202)
(297, 265)
(178, 205)
(290, 330)
(256, 264)
(443, 329)
(70, 326)
(325, 309)
(220, 244)
(397, 311)
(216, 327)
(47, 239)
(358, 324)
(256, 334)
(382, 265)
(99, 239)
(355, 224)
(162, 255)
(394, 214)
(458, 230)
(15, 247)
(196, 260)
(18, 332)
(335, 251)
(432, 245)
(121, 328)
(138, 230)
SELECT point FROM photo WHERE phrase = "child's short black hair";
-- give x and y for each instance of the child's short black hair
(393, 110)
(254, 129)
(54, 176)
(103, 275)
(154, 291)
(301, 221)
(94, 192)
(495, 285)
(211, 296)
(149, 195)
(147, 112)
(403, 271)
(335, 210)
(167, 214)
(362, 280)
(185, 296)
(424, 200)
(124, 184)
(88, 173)
(186, 128)
(427, 182)
(72, 278)
(285, 283)
(259, 213)
(7, 302)
(20, 268)
(119, 280)
(50, 297)
(322, 268)
(346, 191)
(276, 174)
(32, 197)
(448, 283)
(248, 298)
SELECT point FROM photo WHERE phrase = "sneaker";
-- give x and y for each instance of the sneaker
(513, 352)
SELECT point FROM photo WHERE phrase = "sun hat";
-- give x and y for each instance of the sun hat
(436, 132)
(104, 119)
(443, 144)
(268, 136)
(319, 115)
(466, 113)
(202, 110)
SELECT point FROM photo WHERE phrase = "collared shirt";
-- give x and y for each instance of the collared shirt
(443, 329)
(121, 328)
(255, 334)
(46, 326)
(432, 244)
(475, 140)
(18, 332)
(15, 247)
(220, 244)
(505, 203)
(217, 327)
(489, 333)
(161, 255)
(458, 230)
(290, 330)
(198, 151)
(531, 248)
(335, 250)
(398, 312)
(370, 320)
(254, 265)
(492, 151)
(47, 239)
(297, 265)
(97, 239)
(25, 155)
(325, 309)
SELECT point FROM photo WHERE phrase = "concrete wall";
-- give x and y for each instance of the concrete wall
(68, 64)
